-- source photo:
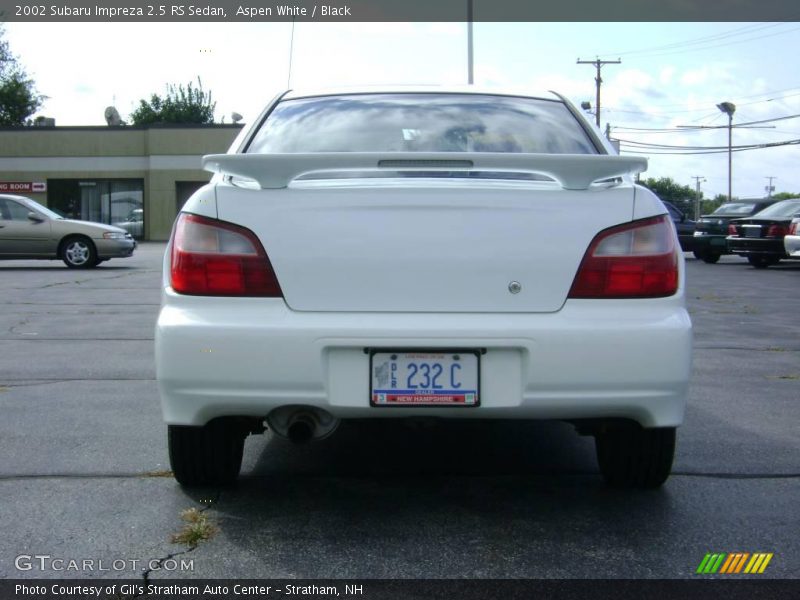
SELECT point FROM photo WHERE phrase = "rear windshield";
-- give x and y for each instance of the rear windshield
(782, 210)
(735, 208)
(421, 123)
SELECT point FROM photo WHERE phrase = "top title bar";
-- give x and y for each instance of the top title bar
(122, 11)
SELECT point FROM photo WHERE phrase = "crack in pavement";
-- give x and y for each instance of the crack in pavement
(748, 348)
(65, 339)
(25, 321)
(90, 279)
(21, 383)
(118, 304)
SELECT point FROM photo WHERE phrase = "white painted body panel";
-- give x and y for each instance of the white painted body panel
(792, 243)
(425, 245)
(244, 356)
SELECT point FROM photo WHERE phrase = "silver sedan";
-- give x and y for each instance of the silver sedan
(30, 230)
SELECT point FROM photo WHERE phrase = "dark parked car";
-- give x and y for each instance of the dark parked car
(711, 230)
(683, 224)
(760, 238)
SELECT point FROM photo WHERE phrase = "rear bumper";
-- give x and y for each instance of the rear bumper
(756, 246)
(592, 359)
(710, 241)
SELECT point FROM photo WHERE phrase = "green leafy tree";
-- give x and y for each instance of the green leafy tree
(667, 189)
(785, 195)
(180, 105)
(709, 206)
(18, 96)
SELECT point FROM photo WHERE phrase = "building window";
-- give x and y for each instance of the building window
(183, 190)
(117, 202)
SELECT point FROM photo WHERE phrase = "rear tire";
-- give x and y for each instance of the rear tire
(762, 262)
(633, 457)
(207, 455)
(707, 256)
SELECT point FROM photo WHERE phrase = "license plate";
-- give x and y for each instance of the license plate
(752, 231)
(425, 378)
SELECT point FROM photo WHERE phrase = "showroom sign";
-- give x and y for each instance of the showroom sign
(22, 186)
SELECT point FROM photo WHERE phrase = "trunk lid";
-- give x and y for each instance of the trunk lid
(425, 244)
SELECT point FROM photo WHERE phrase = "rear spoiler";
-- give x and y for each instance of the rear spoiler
(572, 171)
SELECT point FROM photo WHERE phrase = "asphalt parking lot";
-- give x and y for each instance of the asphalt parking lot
(84, 469)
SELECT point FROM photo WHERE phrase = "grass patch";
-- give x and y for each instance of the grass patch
(198, 528)
(157, 474)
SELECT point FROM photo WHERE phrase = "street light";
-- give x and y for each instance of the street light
(729, 108)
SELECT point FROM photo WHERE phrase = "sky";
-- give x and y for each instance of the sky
(671, 75)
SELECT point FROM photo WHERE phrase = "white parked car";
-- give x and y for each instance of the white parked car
(453, 254)
(133, 223)
(791, 241)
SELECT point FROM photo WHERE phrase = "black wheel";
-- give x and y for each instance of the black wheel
(762, 262)
(633, 457)
(78, 252)
(708, 256)
(208, 455)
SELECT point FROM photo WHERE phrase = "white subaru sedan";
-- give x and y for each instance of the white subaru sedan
(448, 254)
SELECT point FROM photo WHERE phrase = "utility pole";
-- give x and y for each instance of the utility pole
(598, 81)
(698, 179)
(470, 57)
(770, 187)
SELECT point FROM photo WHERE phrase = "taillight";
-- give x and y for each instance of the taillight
(635, 260)
(732, 229)
(794, 228)
(214, 258)
(777, 231)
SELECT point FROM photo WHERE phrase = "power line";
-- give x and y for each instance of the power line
(700, 45)
(768, 120)
(743, 146)
(696, 151)
(696, 128)
(701, 40)
(691, 110)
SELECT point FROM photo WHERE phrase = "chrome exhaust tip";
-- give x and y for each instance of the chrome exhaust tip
(301, 424)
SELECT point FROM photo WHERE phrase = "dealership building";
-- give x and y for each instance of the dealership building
(137, 177)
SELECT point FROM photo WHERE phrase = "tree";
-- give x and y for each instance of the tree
(18, 96)
(709, 206)
(665, 188)
(180, 105)
(785, 196)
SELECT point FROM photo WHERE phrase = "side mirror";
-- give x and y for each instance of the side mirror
(35, 217)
